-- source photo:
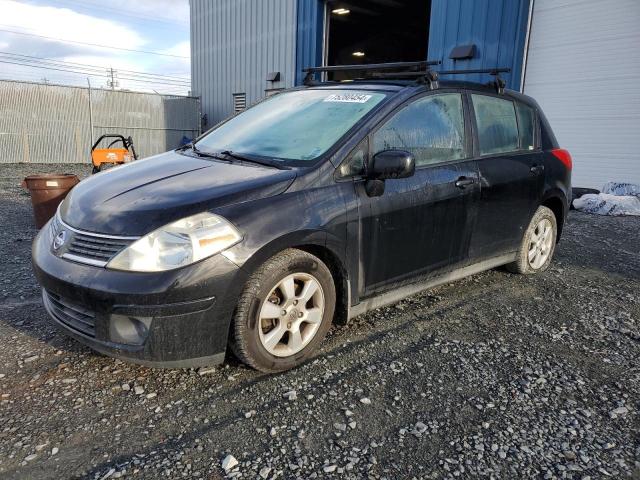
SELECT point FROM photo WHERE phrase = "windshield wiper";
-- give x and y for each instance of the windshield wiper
(251, 159)
(201, 153)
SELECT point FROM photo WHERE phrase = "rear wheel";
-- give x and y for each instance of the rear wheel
(284, 312)
(538, 244)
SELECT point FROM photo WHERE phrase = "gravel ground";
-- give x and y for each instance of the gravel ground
(497, 375)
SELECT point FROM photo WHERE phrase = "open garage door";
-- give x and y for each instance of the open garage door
(583, 68)
(376, 31)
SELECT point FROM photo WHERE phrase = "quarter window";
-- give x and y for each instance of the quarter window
(431, 129)
(354, 164)
(496, 122)
(526, 125)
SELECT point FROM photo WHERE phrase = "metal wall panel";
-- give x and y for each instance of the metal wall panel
(583, 68)
(51, 123)
(498, 28)
(234, 45)
(43, 123)
(309, 45)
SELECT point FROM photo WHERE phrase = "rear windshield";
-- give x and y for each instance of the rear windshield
(292, 126)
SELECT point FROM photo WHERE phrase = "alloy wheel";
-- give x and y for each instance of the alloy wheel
(291, 314)
(540, 244)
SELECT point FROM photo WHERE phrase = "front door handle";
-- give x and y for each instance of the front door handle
(463, 182)
(536, 169)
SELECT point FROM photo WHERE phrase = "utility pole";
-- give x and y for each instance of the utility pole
(45, 80)
(112, 76)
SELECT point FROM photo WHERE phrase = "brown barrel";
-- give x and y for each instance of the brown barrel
(47, 191)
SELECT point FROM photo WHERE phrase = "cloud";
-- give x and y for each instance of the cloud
(182, 49)
(67, 24)
(173, 11)
(113, 30)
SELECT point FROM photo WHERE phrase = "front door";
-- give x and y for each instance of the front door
(422, 223)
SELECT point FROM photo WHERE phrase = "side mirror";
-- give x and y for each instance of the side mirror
(392, 164)
(388, 164)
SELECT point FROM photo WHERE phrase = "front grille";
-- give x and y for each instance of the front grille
(87, 247)
(71, 314)
(95, 248)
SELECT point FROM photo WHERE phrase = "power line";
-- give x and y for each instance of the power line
(99, 71)
(84, 73)
(127, 13)
(93, 44)
(98, 67)
(82, 83)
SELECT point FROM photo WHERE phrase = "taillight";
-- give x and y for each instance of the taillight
(564, 156)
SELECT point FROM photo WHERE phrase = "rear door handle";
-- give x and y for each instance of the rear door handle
(537, 169)
(463, 182)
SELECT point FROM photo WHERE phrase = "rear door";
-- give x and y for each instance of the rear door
(511, 173)
(422, 223)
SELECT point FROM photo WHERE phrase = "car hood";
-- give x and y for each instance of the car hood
(137, 198)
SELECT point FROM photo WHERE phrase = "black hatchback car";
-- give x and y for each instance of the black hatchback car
(316, 204)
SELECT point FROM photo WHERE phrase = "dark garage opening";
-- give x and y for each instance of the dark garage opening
(376, 31)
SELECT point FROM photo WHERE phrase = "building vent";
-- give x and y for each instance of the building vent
(239, 102)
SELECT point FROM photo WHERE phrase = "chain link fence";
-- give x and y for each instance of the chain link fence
(42, 123)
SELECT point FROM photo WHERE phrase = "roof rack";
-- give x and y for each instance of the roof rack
(433, 76)
(498, 82)
(412, 67)
(418, 70)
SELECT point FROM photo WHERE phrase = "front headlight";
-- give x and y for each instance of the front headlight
(178, 244)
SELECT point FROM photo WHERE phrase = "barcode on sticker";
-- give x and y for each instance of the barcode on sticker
(348, 98)
(52, 183)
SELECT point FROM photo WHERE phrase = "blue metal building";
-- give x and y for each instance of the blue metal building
(497, 28)
(243, 50)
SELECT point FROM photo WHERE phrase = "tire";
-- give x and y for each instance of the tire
(537, 247)
(95, 170)
(291, 297)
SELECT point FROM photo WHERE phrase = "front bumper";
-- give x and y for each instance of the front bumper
(170, 319)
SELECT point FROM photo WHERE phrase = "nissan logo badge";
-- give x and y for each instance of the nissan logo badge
(59, 240)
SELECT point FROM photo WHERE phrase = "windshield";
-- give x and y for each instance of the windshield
(298, 125)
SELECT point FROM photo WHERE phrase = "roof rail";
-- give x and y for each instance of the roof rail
(411, 67)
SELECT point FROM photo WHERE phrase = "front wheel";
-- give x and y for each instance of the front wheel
(284, 312)
(538, 244)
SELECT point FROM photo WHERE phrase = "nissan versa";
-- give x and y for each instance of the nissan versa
(316, 204)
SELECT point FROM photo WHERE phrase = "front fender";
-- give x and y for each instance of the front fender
(311, 217)
(291, 239)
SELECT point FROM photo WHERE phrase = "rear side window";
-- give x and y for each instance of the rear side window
(526, 125)
(497, 125)
(431, 128)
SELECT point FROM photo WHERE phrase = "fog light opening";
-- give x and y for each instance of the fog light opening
(129, 330)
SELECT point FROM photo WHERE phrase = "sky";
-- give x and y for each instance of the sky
(158, 27)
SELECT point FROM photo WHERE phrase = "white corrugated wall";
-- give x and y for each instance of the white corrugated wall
(234, 45)
(583, 67)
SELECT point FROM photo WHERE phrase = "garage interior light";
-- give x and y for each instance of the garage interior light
(340, 11)
(358, 54)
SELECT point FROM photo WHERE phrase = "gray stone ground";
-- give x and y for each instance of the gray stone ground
(497, 375)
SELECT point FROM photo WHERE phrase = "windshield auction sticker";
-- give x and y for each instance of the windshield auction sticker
(348, 98)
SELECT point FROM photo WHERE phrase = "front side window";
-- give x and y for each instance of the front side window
(296, 126)
(496, 122)
(431, 129)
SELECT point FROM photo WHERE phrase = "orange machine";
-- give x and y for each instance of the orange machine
(110, 156)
